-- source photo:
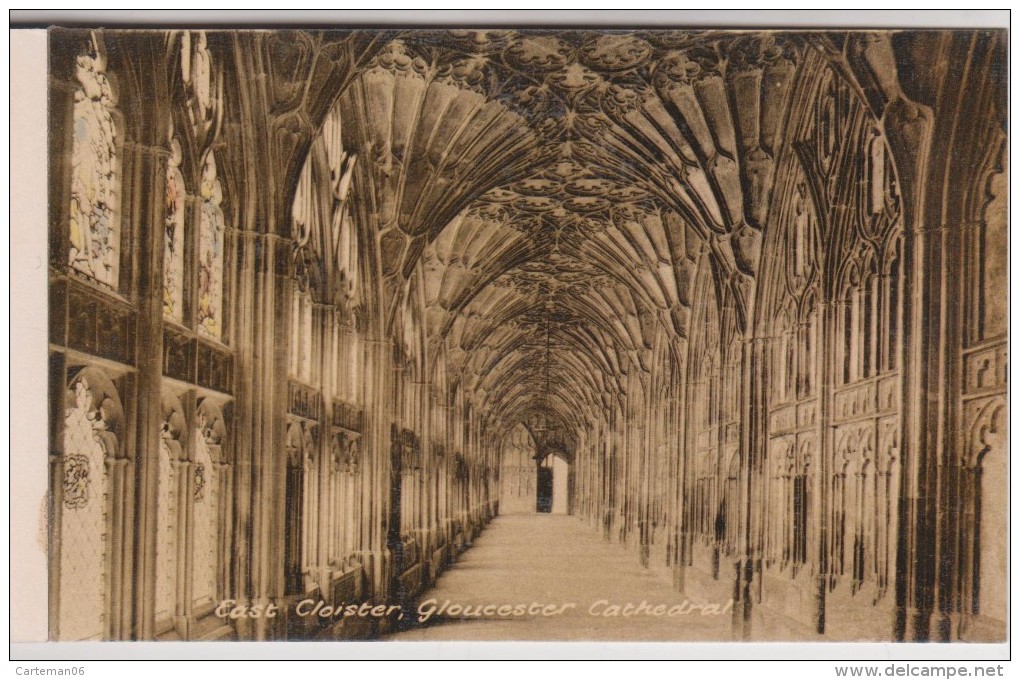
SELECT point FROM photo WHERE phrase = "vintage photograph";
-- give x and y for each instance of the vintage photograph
(504, 334)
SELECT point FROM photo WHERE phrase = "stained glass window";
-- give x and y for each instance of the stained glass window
(94, 247)
(173, 248)
(210, 252)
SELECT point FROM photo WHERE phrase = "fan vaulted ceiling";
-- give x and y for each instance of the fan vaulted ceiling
(560, 192)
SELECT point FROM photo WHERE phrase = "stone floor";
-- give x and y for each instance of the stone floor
(565, 568)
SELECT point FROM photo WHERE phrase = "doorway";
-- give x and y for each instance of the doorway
(544, 502)
(552, 486)
(517, 473)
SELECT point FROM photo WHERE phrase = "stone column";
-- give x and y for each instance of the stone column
(423, 391)
(376, 478)
(144, 168)
(828, 315)
(322, 325)
(261, 339)
(752, 448)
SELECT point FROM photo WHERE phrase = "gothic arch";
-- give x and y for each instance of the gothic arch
(985, 496)
(171, 511)
(85, 505)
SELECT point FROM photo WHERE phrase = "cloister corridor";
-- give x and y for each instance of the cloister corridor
(711, 321)
(557, 561)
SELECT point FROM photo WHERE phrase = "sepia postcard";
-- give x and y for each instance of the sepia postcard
(594, 334)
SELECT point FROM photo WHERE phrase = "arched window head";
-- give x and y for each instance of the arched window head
(891, 304)
(323, 219)
(202, 86)
(94, 233)
(92, 418)
(208, 479)
(882, 189)
(876, 172)
(171, 446)
(828, 118)
(210, 252)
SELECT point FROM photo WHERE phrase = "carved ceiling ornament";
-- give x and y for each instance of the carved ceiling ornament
(485, 41)
(615, 52)
(469, 73)
(542, 53)
(675, 71)
(573, 81)
(397, 59)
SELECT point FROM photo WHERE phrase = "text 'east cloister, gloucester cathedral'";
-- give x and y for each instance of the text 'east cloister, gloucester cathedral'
(330, 310)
